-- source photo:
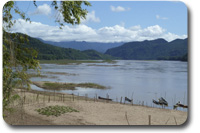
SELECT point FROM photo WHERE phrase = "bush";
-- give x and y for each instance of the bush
(55, 110)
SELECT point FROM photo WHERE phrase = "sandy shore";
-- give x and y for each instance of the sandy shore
(91, 112)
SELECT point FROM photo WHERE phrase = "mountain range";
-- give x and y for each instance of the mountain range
(83, 45)
(50, 52)
(158, 49)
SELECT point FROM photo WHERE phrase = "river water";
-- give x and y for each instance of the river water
(140, 80)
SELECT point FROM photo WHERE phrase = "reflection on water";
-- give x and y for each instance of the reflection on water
(142, 80)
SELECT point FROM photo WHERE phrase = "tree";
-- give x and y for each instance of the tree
(17, 58)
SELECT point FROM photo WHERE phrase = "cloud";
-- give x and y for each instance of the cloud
(152, 31)
(171, 36)
(116, 33)
(119, 9)
(159, 17)
(42, 10)
(91, 18)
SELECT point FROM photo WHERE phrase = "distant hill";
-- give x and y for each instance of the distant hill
(158, 49)
(151, 50)
(100, 47)
(50, 52)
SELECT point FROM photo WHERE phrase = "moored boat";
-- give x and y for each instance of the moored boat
(105, 98)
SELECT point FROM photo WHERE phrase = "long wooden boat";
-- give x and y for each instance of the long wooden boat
(105, 98)
(180, 105)
(156, 102)
(162, 101)
(127, 99)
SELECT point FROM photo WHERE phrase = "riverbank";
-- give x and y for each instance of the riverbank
(90, 111)
(76, 62)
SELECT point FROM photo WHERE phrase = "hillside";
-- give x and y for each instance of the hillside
(82, 45)
(50, 52)
(150, 50)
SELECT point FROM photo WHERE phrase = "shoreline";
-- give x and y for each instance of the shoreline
(139, 103)
(91, 111)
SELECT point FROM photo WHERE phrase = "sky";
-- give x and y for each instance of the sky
(107, 21)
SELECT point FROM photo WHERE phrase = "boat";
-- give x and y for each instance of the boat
(127, 99)
(156, 102)
(105, 98)
(180, 105)
(162, 101)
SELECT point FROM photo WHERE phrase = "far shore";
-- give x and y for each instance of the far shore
(75, 62)
(91, 111)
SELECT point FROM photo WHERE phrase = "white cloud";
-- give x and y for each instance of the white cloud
(159, 17)
(91, 18)
(42, 10)
(152, 31)
(119, 9)
(82, 32)
(171, 36)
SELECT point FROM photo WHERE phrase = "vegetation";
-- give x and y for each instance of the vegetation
(175, 58)
(151, 50)
(67, 86)
(109, 61)
(18, 56)
(94, 55)
(55, 110)
(62, 73)
(77, 62)
(83, 45)
(91, 85)
(185, 57)
(50, 52)
(31, 75)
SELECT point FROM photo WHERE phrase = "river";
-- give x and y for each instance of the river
(140, 80)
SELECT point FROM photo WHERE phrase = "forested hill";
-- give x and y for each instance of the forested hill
(158, 49)
(50, 52)
(83, 45)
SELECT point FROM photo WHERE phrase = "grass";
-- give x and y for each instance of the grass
(67, 86)
(59, 86)
(55, 110)
(77, 62)
(91, 85)
(30, 75)
(109, 61)
(62, 73)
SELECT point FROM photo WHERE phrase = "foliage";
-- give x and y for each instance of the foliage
(151, 50)
(50, 52)
(71, 11)
(17, 59)
(55, 110)
(75, 62)
(83, 45)
(67, 86)
(185, 57)
(18, 56)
